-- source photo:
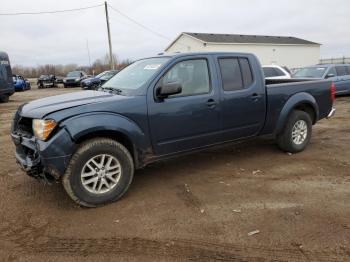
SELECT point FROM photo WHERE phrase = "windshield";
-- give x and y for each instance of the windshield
(73, 74)
(312, 72)
(135, 75)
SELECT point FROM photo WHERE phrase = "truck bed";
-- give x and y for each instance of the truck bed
(278, 91)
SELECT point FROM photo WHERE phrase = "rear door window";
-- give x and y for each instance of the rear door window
(231, 74)
(348, 69)
(246, 72)
(341, 70)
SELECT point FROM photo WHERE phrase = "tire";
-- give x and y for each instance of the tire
(4, 98)
(82, 194)
(285, 139)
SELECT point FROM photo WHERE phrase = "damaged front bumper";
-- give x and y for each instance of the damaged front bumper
(44, 159)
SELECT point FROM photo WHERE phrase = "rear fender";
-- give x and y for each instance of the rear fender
(295, 101)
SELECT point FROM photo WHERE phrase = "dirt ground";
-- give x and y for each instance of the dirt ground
(199, 207)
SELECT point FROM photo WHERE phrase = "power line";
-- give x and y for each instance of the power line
(139, 24)
(50, 12)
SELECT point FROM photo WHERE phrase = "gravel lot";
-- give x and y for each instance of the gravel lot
(198, 207)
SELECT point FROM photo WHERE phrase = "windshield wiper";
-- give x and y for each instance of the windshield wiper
(112, 90)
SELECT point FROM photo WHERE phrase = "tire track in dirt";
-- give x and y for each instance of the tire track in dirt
(170, 249)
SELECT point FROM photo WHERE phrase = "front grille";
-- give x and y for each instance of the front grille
(70, 81)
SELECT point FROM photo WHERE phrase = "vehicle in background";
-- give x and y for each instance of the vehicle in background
(74, 78)
(93, 83)
(59, 79)
(338, 73)
(275, 72)
(6, 82)
(46, 81)
(20, 83)
(157, 108)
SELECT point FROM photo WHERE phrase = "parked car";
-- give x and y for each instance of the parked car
(74, 78)
(93, 83)
(46, 81)
(6, 83)
(20, 83)
(338, 73)
(59, 80)
(158, 108)
(275, 72)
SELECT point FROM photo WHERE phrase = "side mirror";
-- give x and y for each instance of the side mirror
(168, 89)
(330, 75)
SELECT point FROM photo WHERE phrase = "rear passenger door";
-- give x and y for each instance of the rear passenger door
(242, 97)
(342, 84)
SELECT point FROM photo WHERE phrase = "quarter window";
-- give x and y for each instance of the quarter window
(193, 75)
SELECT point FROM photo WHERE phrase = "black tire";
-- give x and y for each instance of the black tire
(285, 138)
(4, 98)
(72, 181)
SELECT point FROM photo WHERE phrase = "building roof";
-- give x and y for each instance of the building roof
(246, 39)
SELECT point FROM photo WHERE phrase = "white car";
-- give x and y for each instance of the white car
(275, 72)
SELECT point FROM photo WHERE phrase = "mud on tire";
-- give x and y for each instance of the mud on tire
(73, 180)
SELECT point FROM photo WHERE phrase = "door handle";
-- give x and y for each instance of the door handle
(211, 103)
(255, 97)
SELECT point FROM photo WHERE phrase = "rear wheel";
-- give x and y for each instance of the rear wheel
(99, 172)
(296, 134)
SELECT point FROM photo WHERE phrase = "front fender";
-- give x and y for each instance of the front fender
(86, 124)
(294, 101)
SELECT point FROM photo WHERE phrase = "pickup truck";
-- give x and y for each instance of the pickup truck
(157, 108)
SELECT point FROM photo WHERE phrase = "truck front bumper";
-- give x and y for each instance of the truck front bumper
(331, 113)
(44, 159)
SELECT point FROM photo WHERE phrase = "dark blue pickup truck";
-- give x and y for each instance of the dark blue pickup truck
(158, 108)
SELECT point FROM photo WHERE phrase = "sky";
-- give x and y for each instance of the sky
(62, 38)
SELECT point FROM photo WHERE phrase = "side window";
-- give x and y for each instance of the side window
(193, 75)
(231, 74)
(341, 70)
(348, 69)
(278, 72)
(246, 72)
(332, 71)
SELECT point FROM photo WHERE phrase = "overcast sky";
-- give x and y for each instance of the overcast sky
(61, 38)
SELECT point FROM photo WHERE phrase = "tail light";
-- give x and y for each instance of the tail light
(333, 92)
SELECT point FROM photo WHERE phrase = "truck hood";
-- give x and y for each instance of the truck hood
(42, 107)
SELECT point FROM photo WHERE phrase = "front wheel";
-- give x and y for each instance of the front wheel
(296, 134)
(99, 172)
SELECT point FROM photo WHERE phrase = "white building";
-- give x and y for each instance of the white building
(285, 51)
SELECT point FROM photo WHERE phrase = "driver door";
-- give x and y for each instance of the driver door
(188, 120)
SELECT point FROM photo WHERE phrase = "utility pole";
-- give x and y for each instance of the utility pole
(111, 62)
(88, 51)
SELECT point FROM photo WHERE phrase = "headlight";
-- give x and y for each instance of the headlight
(77, 79)
(43, 128)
